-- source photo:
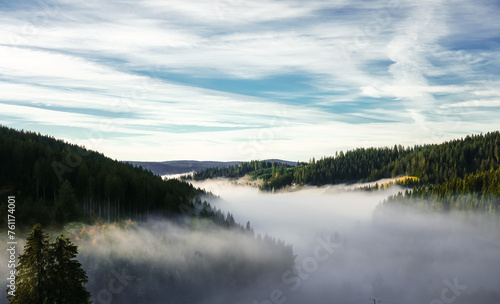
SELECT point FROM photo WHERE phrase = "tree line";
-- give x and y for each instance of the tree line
(256, 168)
(53, 191)
(478, 192)
(431, 164)
(67, 182)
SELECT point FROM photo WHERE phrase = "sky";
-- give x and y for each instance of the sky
(240, 80)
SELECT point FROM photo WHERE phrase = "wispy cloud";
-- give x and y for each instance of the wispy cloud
(168, 75)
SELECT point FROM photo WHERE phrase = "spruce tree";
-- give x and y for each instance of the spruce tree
(49, 273)
(66, 275)
(66, 203)
(31, 276)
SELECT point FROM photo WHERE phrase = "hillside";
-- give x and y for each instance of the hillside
(431, 164)
(475, 192)
(188, 166)
(67, 182)
(179, 166)
(170, 249)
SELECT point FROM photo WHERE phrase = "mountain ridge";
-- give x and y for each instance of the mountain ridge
(188, 166)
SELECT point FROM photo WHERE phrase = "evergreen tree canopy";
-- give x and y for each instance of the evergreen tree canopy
(80, 184)
(431, 164)
(48, 273)
(67, 277)
(66, 203)
(31, 279)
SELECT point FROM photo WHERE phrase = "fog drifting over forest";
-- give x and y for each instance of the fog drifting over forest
(347, 251)
(398, 256)
(296, 216)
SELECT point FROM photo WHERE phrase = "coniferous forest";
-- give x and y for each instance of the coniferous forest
(461, 174)
(56, 183)
(67, 182)
(102, 203)
(250, 152)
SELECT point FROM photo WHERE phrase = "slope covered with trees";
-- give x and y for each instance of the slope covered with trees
(67, 182)
(475, 192)
(431, 164)
(461, 174)
(167, 263)
(56, 183)
(264, 169)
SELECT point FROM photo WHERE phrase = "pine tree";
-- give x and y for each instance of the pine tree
(66, 275)
(66, 203)
(49, 273)
(31, 276)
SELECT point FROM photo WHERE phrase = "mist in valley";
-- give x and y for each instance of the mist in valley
(395, 255)
(347, 249)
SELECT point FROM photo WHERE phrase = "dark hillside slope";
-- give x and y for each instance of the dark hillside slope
(188, 166)
(180, 166)
(57, 182)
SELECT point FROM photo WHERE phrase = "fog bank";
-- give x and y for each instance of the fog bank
(348, 250)
(398, 256)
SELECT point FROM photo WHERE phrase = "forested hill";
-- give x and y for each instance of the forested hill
(432, 164)
(56, 182)
(476, 191)
(187, 166)
(257, 168)
(180, 166)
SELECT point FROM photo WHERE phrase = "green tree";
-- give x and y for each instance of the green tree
(66, 203)
(66, 275)
(31, 276)
(49, 273)
(497, 154)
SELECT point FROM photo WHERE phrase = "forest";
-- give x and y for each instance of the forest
(479, 192)
(67, 183)
(263, 169)
(459, 174)
(60, 186)
(432, 164)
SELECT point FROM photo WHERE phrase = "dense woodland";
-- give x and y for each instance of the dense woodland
(475, 192)
(461, 173)
(67, 182)
(257, 169)
(91, 187)
(432, 164)
(206, 265)
(56, 182)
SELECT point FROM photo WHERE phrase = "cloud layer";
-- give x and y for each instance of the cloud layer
(221, 80)
(347, 251)
(398, 256)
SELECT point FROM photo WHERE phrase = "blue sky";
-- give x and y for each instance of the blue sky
(241, 80)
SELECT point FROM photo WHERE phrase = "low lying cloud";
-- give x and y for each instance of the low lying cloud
(348, 250)
(398, 256)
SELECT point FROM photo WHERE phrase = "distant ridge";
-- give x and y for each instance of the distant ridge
(187, 166)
